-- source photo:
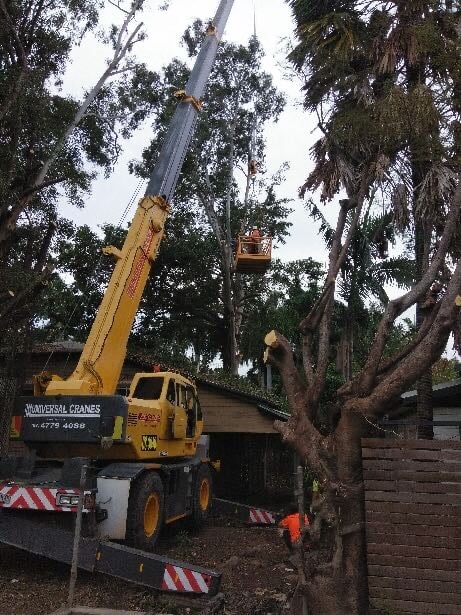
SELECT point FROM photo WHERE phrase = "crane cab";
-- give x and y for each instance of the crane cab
(160, 418)
(164, 415)
(253, 255)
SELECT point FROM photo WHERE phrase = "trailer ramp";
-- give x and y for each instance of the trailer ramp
(133, 565)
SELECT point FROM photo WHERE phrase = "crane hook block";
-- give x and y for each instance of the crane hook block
(183, 96)
(112, 251)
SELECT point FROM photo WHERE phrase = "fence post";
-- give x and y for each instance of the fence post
(77, 533)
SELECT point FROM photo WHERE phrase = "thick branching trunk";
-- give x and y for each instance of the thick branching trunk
(334, 570)
(230, 352)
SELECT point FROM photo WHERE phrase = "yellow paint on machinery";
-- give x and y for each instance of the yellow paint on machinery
(101, 361)
(163, 424)
(161, 428)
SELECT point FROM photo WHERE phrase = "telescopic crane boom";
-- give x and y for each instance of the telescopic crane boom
(145, 459)
(101, 361)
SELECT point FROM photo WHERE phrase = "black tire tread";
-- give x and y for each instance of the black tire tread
(143, 486)
(199, 516)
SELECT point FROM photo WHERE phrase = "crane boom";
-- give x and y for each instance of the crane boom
(101, 361)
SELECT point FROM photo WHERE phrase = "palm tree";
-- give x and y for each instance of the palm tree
(367, 270)
(384, 79)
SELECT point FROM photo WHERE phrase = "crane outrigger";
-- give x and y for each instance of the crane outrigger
(147, 461)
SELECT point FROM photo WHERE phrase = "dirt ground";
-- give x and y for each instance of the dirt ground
(257, 578)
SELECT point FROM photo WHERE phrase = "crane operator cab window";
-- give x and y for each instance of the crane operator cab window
(149, 388)
(171, 393)
(187, 401)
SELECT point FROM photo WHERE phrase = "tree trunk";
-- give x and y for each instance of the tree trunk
(230, 351)
(12, 374)
(336, 575)
(424, 404)
(424, 410)
(345, 350)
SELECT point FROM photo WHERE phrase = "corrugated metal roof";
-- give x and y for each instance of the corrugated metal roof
(265, 401)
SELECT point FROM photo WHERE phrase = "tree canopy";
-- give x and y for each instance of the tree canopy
(383, 79)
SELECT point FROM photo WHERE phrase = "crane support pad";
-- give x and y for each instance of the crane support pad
(148, 569)
(249, 514)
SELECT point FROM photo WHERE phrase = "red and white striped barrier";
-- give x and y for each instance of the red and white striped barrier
(180, 579)
(35, 498)
(261, 517)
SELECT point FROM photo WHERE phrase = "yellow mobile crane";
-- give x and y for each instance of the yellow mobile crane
(147, 461)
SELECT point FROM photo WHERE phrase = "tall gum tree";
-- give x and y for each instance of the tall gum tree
(367, 119)
(239, 101)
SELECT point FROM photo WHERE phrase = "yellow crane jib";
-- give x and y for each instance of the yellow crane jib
(98, 372)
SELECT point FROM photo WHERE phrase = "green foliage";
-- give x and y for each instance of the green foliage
(290, 292)
(401, 334)
(69, 303)
(36, 43)
(385, 81)
(446, 370)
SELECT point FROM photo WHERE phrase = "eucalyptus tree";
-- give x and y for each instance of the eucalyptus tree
(354, 58)
(240, 100)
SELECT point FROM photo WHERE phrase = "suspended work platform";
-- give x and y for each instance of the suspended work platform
(253, 254)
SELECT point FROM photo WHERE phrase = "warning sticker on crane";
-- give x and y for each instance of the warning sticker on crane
(148, 443)
(139, 265)
(176, 578)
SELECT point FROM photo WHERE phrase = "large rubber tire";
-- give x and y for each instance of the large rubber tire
(202, 496)
(146, 506)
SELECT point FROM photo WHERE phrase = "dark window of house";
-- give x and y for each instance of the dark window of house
(148, 388)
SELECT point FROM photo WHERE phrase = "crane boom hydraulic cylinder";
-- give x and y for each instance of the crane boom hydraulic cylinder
(101, 361)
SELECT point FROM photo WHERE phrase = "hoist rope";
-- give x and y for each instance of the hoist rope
(255, 117)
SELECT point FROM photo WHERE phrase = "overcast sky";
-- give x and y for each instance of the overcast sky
(288, 140)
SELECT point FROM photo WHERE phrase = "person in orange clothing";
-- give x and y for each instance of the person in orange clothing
(289, 526)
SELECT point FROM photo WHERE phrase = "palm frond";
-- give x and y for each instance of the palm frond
(437, 187)
(325, 228)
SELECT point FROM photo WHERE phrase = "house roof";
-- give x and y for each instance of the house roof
(266, 402)
(446, 393)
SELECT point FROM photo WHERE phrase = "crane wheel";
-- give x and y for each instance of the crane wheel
(202, 496)
(145, 511)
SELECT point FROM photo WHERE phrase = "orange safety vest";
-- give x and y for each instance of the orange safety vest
(291, 523)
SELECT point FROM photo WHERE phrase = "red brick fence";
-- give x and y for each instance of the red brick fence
(413, 525)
